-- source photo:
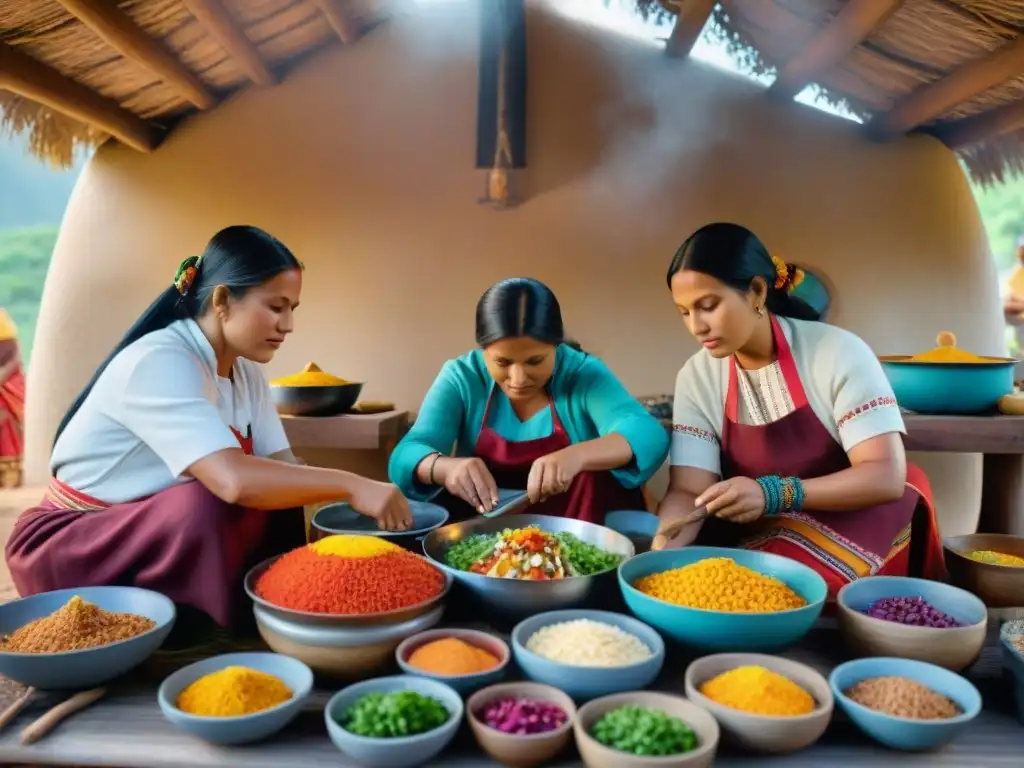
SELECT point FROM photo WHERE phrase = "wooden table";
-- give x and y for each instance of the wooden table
(127, 729)
(1001, 440)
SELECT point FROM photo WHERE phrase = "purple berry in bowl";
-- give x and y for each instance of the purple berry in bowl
(911, 611)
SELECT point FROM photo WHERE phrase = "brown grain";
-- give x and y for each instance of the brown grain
(75, 626)
(903, 697)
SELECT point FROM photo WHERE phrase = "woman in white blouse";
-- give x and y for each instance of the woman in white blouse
(171, 471)
(786, 435)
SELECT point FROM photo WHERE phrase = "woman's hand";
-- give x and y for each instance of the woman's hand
(384, 503)
(471, 481)
(1013, 310)
(738, 499)
(552, 474)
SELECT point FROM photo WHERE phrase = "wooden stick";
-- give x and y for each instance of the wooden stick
(689, 24)
(16, 706)
(218, 21)
(36, 730)
(673, 530)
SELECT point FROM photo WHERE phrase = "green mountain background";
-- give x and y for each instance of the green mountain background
(33, 197)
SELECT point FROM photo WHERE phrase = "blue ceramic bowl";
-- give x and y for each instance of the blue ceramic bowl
(636, 525)
(585, 683)
(903, 732)
(402, 752)
(341, 518)
(723, 630)
(1013, 662)
(956, 388)
(87, 668)
(243, 729)
(463, 684)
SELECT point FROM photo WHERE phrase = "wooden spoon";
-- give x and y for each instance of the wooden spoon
(16, 706)
(34, 731)
(672, 530)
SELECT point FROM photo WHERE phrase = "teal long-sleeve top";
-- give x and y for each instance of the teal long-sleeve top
(589, 400)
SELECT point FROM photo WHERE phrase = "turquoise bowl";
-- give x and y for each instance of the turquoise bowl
(1013, 662)
(585, 683)
(724, 630)
(399, 752)
(243, 729)
(949, 388)
(902, 732)
(89, 667)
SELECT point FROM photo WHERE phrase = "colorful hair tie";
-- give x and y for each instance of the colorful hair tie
(186, 274)
(787, 276)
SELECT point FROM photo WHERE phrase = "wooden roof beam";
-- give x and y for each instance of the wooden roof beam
(962, 84)
(855, 21)
(690, 21)
(119, 31)
(33, 80)
(346, 25)
(984, 126)
(215, 18)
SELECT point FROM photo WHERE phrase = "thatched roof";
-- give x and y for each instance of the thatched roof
(74, 72)
(950, 68)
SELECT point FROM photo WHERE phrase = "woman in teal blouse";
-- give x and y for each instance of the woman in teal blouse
(528, 411)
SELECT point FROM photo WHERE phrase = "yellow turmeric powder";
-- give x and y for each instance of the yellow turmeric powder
(946, 352)
(759, 691)
(452, 656)
(231, 692)
(310, 376)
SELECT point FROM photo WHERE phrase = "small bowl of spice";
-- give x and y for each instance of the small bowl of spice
(236, 698)
(312, 392)
(521, 724)
(914, 619)
(394, 722)
(465, 659)
(763, 703)
(644, 729)
(73, 639)
(588, 653)
(991, 565)
(905, 704)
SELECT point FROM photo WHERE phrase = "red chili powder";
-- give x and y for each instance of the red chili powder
(302, 580)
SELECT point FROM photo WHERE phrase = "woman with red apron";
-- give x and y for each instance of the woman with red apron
(12, 404)
(172, 471)
(787, 437)
(529, 411)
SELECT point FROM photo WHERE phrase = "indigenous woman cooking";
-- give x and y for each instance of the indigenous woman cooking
(786, 433)
(12, 403)
(167, 468)
(528, 411)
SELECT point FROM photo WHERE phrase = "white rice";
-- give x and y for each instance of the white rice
(586, 643)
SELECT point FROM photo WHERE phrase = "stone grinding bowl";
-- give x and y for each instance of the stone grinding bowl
(316, 401)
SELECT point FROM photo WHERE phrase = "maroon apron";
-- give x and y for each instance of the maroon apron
(841, 546)
(590, 496)
(183, 542)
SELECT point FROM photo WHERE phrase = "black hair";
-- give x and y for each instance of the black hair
(735, 256)
(238, 257)
(519, 306)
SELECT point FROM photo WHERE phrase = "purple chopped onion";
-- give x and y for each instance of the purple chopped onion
(911, 611)
(522, 717)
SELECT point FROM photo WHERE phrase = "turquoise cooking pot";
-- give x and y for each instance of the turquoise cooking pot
(949, 388)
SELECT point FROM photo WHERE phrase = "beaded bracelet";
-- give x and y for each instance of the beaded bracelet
(781, 494)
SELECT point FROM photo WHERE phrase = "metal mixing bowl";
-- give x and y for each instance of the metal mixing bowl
(338, 620)
(515, 597)
(316, 401)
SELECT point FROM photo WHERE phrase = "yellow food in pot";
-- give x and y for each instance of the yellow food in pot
(310, 376)
(947, 352)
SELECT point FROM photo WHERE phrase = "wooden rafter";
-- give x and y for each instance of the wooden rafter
(981, 127)
(23, 75)
(218, 22)
(693, 15)
(962, 84)
(346, 25)
(119, 31)
(854, 22)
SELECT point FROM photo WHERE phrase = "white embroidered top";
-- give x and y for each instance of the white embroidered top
(845, 385)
